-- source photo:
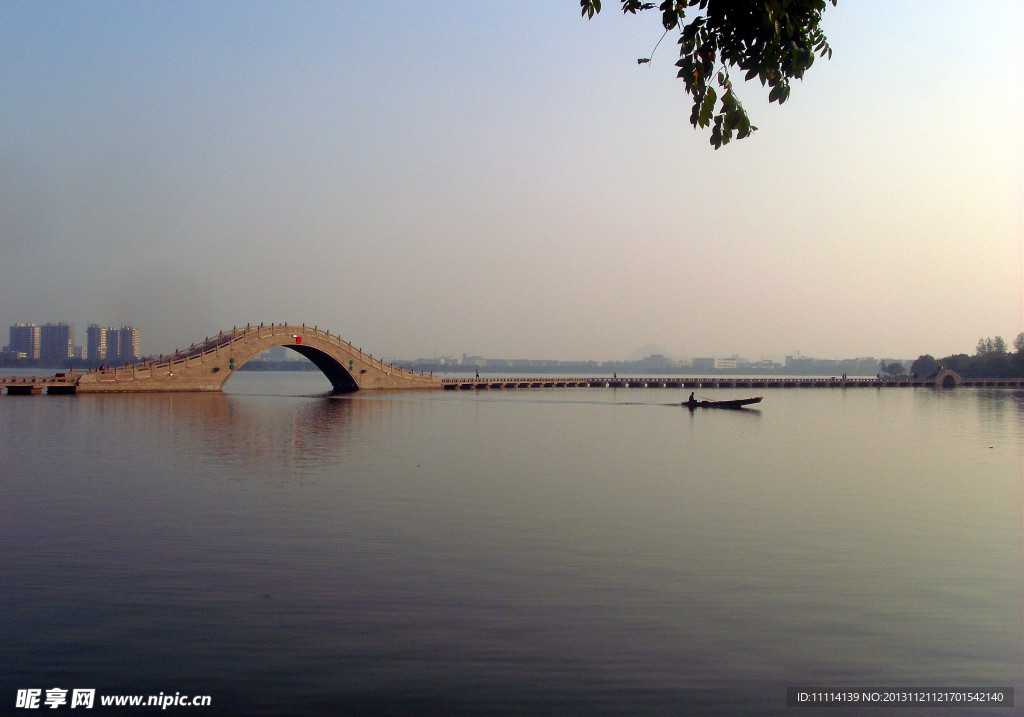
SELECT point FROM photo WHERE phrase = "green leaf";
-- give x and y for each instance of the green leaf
(707, 108)
(744, 127)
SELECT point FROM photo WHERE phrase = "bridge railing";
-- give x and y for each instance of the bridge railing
(14, 380)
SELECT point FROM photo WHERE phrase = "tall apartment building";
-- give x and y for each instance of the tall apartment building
(113, 344)
(24, 339)
(123, 344)
(96, 343)
(130, 350)
(57, 341)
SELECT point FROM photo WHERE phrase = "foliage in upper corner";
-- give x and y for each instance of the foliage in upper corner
(774, 41)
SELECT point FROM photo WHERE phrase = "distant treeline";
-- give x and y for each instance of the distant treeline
(648, 367)
(991, 359)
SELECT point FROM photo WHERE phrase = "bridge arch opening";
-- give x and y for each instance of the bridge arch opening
(339, 376)
(341, 380)
(946, 378)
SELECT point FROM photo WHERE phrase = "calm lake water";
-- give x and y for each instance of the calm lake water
(560, 551)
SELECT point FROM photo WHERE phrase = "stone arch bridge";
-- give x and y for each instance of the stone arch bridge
(207, 366)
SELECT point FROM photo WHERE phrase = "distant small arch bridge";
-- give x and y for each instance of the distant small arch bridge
(208, 366)
(947, 379)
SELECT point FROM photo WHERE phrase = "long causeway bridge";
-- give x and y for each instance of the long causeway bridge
(946, 379)
(208, 365)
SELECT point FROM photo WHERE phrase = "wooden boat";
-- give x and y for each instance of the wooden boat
(734, 403)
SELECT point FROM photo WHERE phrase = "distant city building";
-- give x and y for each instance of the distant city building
(24, 339)
(96, 343)
(56, 342)
(130, 344)
(281, 353)
(113, 340)
(704, 364)
(656, 362)
(123, 344)
(725, 363)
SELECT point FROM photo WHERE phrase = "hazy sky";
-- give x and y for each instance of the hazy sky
(503, 179)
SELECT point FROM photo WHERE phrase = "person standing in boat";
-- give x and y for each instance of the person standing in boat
(691, 400)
